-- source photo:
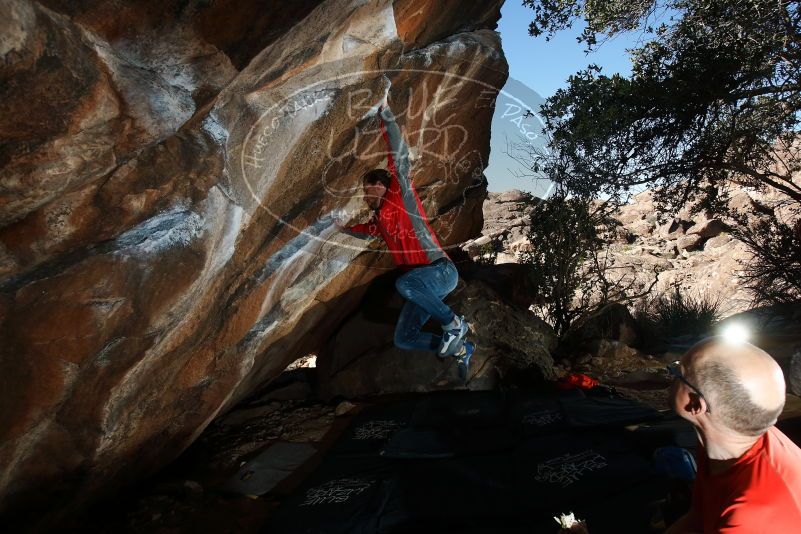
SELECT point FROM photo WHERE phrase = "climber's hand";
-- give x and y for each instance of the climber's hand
(338, 217)
(383, 103)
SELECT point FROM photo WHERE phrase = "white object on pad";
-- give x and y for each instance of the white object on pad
(566, 521)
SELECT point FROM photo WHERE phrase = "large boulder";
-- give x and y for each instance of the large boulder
(774, 329)
(708, 228)
(610, 349)
(167, 169)
(613, 322)
(361, 358)
(638, 209)
(794, 374)
(675, 227)
(513, 282)
(689, 242)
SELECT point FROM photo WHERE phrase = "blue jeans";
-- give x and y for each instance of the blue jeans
(424, 288)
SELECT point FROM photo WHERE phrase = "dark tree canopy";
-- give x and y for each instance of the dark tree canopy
(713, 100)
(714, 95)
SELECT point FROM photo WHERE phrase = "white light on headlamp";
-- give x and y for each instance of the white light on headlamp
(735, 334)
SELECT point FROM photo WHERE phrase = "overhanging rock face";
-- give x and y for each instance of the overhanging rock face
(167, 174)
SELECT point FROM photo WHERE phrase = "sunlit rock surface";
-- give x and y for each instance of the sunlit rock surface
(167, 172)
(694, 252)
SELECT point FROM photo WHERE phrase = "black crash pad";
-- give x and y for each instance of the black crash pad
(264, 472)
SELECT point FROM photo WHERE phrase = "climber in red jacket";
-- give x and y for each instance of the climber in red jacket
(399, 218)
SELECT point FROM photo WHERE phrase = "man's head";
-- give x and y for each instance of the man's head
(375, 183)
(741, 387)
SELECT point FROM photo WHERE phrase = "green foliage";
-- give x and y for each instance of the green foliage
(566, 259)
(487, 253)
(713, 95)
(675, 314)
(714, 99)
(773, 276)
(608, 17)
(562, 233)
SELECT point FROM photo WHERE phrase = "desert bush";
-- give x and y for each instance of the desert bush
(487, 253)
(570, 263)
(773, 274)
(675, 314)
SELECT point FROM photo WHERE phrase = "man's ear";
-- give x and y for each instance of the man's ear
(696, 404)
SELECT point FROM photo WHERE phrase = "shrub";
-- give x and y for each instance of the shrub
(487, 253)
(675, 314)
(773, 275)
(569, 261)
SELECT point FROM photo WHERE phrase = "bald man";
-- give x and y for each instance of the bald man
(749, 473)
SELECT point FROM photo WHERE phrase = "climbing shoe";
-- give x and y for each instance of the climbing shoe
(453, 338)
(463, 359)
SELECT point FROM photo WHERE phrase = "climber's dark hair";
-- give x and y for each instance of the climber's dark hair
(377, 175)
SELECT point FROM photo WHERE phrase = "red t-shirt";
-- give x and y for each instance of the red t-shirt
(761, 492)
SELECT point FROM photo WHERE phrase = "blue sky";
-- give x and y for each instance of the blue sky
(542, 67)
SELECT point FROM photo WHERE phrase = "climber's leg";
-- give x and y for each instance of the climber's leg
(408, 332)
(425, 287)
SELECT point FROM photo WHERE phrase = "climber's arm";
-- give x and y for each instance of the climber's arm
(362, 231)
(398, 157)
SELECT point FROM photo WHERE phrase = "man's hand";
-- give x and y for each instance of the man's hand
(579, 527)
(571, 525)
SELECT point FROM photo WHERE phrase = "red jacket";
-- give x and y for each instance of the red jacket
(401, 220)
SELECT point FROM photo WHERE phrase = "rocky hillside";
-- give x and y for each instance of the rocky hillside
(167, 172)
(694, 252)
